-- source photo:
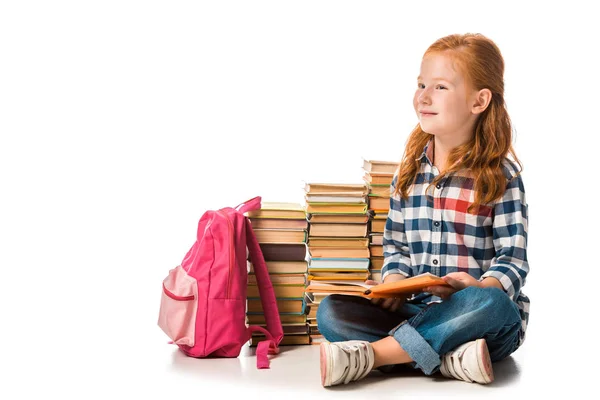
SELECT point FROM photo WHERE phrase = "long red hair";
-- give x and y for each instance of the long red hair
(480, 60)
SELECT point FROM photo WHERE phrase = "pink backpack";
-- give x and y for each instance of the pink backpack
(203, 304)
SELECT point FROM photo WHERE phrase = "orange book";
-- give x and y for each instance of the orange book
(391, 289)
(405, 286)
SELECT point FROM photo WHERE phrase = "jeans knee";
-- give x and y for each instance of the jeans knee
(485, 295)
(489, 299)
(326, 313)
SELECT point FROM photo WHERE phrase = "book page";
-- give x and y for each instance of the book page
(406, 286)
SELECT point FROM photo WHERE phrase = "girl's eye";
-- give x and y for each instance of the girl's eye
(422, 86)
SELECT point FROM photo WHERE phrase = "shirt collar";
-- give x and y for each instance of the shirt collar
(427, 152)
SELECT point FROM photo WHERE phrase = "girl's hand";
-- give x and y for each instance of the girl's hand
(457, 281)
(392, 304)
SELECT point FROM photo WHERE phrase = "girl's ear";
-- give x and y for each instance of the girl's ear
(481, 101)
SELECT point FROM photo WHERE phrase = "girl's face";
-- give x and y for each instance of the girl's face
(443, 99)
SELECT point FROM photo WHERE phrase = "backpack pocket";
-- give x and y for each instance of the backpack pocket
(179, 306)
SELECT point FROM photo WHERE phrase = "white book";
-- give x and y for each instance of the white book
(355, 263)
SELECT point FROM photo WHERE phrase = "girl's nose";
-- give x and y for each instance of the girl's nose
(424, 97)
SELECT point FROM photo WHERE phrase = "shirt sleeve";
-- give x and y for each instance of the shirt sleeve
(395, 247)
(510, 264)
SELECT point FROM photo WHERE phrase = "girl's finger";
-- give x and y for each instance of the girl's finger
(396, 305)
(455, 283)
(387, 303)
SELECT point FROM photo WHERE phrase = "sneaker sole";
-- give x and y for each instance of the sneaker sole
(326, 363)
(484, 361)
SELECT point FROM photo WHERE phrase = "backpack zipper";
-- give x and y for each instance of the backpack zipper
(175, 297)
(231, 261)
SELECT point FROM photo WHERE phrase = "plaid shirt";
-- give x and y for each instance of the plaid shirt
(433, 232)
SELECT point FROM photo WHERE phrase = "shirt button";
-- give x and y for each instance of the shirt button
(436, 223)
(435, 262)
(438, 186)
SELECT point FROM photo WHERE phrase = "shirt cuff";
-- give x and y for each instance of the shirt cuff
(392, 271)
(504, 280)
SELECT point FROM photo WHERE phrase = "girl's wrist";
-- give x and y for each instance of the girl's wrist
(490, 282)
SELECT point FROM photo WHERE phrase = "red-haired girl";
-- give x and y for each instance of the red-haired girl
(457, 210)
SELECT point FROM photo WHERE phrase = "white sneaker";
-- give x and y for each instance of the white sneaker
(343, 362)
(469, 362)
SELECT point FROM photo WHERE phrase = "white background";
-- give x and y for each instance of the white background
(121, 122)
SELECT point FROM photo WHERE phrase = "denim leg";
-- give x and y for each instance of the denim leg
(469, 314)
(342, 317)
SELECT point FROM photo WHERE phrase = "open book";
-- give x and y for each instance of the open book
(391, 289)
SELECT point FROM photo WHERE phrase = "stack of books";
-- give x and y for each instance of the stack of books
(337, 242)
(312, 304)
(378, 176)
(281, 231)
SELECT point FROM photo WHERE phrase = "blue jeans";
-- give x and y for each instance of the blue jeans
(427, 331)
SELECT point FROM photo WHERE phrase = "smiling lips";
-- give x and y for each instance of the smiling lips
(427, 113)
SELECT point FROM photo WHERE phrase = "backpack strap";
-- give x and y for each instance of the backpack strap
(274, 331)
(265, 347)
(249, 205)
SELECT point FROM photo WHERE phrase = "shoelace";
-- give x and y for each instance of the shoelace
(452, 364)
(359, 361)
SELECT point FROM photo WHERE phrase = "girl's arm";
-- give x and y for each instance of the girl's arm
(491, 282)
(395, 247)
(510, 267)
